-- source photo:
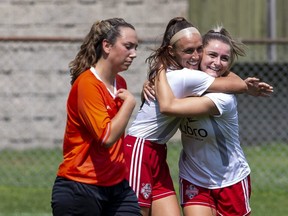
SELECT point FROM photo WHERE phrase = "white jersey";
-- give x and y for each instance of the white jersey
(212, 156)
(150, 124)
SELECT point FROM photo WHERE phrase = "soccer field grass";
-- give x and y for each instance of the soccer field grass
(27, 178)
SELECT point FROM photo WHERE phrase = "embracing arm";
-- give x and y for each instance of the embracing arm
(148, 92)
(231, 83)
(228, 84)
(257, 88)
(190, 106)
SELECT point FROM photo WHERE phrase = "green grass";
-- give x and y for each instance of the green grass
(26, 182)
(27, 178)
(269, 179)
(25, 201)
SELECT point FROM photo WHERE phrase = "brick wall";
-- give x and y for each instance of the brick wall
(34, 80)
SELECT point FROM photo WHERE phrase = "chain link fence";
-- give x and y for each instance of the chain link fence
(34, 83)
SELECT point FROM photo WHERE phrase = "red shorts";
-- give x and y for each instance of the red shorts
(231, 200)
(149, 174)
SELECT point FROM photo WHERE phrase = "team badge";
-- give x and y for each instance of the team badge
(146, 190)
(191, 191)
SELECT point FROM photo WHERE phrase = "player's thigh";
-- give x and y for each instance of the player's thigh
(145, 211)
(198, 210)
(167, 206)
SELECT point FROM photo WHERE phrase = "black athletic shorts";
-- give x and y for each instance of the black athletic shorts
(74, 198)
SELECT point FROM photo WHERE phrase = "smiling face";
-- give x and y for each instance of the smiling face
(188, 51)
(216, 58)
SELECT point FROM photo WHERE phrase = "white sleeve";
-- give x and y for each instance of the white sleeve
(188, 82)
(224, 102)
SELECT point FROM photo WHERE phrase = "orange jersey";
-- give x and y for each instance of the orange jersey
(90, 108)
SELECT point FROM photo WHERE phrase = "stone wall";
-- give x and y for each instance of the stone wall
(34, 77)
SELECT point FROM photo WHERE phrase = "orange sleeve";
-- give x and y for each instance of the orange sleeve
(92, 108)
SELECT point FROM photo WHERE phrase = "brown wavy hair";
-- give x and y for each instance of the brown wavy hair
(91, 48)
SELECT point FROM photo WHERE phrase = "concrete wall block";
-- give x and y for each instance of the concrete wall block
(48, 18)
(32, 107)
(87, 2)
(26, 2)
(20, 84)
(34, 76)
(42, 2)
(36, 56)
(5, 15)
(4, 2)
(15, 105)
(5, 84)
(51, 83)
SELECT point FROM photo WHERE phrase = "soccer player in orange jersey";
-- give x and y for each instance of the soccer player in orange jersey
(91, 178)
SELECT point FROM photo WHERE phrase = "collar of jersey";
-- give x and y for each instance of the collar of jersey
(93, 70)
